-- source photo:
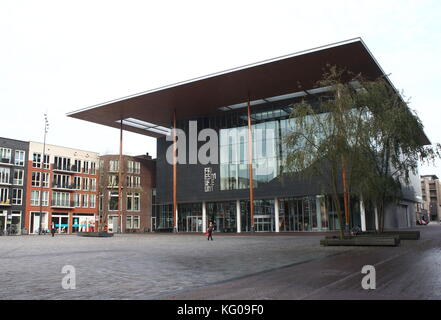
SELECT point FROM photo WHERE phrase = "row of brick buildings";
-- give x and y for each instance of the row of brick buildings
(72, 190)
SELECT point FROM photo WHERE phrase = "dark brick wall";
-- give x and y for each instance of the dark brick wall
(17, 145)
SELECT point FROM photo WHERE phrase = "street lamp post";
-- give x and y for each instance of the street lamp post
(46, 128)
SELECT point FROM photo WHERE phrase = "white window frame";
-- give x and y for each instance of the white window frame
(5, 175)
(5, 153)
(20, 159)
(18, 181)
(36, 182)
(35, 201)
(85, 200)
(17, 201)
(45, 198)
(36, 160)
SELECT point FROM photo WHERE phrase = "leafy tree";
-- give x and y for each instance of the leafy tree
(358, 136)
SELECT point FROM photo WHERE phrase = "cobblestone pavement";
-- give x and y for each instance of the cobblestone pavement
(167, 266)
(143, 266)
(410, 271)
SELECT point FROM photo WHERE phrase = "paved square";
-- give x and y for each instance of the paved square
(141, 266)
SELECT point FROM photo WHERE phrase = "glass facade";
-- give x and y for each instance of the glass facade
(190, 217)
(268, 154)
(270, 124)
(223, 215)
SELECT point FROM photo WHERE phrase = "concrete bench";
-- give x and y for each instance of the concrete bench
(95, 234)
(381, 241)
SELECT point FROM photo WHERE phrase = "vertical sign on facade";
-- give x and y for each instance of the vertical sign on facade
(209, 179)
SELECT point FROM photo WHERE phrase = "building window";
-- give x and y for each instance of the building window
(46, 161)
(18, 177)
(92, 168)
(92, 201)
(113, 200)
(19, 159)
(92, 184)
(45, 179)
(113, 180)
(35, 198)
(133, 181)
(133, 201)
(5, 155)
(77, 200)
(113, 165)
(77, 183)
(130, 166)
(77, 166)
(4, 195)
(17, 197)
(86, 167)
(36, 160)
(36, 176)
(85, 184)
(84, 199)
(61, 181)
(61, 199)
(132, 222)
(137, 168)
(45, 198)
(5, 175)
(62, 163)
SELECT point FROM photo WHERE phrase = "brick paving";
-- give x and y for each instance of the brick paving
(145, 266)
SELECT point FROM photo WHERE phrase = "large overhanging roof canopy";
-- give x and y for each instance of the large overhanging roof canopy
(151, 112)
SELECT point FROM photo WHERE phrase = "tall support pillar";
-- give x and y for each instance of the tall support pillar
(238, 220)
(175, 205)
(318, 209)
(362, 215)
(120, 166)
(376, 218)
(250, 165)
(276, 214)
(204, 217)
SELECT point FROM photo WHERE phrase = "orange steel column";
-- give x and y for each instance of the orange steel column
(345, 195)
(175, 206)
(120, 202)
(250, 165)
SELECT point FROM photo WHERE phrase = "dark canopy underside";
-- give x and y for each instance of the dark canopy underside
(205, 95)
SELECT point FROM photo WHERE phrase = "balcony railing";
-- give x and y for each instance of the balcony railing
(67, 168)
(62, 204)
(5, 161)
(70, 187)
(6, 202)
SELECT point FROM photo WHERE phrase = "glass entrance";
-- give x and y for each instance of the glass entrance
(61, 224)
(2, 224)
(263, 223)
(194, 224)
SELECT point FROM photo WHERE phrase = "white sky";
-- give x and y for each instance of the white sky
(60, 56)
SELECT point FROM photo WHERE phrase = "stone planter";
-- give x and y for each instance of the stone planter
(381, 241)
(95, 234)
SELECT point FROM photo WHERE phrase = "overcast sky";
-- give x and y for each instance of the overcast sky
(60, 56)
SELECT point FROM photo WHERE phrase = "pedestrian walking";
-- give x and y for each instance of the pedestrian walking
(210, 231)
(53, 229)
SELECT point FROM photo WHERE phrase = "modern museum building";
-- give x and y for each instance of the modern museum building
(215, 175)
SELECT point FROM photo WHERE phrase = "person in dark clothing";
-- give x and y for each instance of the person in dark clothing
(53, 229)
(210, 231)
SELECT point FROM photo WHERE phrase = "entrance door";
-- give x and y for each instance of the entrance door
(263, 223)
(113, 224)
(194, 224)
(2, 224)
(153, 223)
